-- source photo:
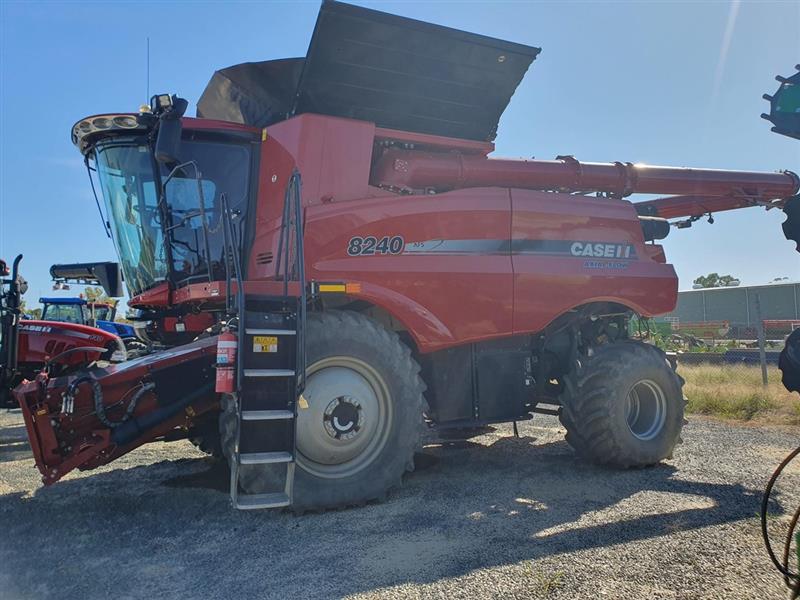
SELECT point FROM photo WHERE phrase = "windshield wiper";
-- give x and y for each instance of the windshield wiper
(184, 219)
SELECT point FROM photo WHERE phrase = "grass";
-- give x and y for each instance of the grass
(736, 392)
(544, 583)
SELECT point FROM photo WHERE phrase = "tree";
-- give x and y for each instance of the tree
(33, 313)
(713, 280)
(96, 294)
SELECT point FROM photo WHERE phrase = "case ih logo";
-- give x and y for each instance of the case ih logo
(601, 250)
(36, 328)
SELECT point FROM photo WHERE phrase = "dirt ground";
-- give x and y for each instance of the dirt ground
(492, 517)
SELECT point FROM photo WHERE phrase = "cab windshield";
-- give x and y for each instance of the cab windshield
(102, 312)
(161, 241)
(65, 313)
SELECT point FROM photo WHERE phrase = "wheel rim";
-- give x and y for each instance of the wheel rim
(646, 409)
(348, 419)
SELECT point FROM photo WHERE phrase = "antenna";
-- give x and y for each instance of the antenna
(147, 99)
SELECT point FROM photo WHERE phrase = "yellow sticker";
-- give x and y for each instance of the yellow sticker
(302, 402)
(265, 343)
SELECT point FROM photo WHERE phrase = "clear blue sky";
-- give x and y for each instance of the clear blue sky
(675, 83)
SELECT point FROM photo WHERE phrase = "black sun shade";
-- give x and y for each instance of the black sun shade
(396, 72)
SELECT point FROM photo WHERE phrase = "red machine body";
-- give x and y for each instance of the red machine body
(408, 233)
(516, 258)
(40, 341)
(425, 233)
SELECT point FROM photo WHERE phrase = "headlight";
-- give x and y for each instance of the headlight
(126, 122)
(84, 130)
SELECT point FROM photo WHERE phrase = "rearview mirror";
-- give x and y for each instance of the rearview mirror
(169, 109)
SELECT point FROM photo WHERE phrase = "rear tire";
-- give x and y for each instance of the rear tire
(358, 435)
(623, 406)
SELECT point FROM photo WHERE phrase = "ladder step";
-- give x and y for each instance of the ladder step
(264, 458)
(249, 331)
(254, 501)
(266, 415)
(268, 373)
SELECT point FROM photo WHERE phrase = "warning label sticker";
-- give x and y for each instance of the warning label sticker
(265, 343)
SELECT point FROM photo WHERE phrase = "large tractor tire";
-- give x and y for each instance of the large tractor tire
(358, 435)
(623, 406)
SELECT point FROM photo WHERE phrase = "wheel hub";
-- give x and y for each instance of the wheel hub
(343, 418)
(347, 419)
(646, 410)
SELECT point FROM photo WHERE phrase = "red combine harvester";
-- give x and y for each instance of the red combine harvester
(29, 346)
(412, 279)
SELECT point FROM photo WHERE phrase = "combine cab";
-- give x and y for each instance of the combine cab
(412, 279)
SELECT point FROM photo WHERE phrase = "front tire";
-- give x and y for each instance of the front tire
(623, 406)
(362, 422)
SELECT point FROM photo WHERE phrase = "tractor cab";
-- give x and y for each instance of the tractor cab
(77, 310)
(81, 311)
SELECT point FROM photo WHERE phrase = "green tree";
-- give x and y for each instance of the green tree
(713, 280)
(33, 313)
(96, 294)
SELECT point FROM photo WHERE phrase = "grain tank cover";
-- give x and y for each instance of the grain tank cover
(258, 94)
(396, 72)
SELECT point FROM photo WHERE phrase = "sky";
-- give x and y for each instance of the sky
(664, 83)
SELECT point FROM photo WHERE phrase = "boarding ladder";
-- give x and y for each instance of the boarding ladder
(270, 367)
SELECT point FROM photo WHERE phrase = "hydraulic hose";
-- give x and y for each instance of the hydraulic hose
(138, 426)
(97, 398)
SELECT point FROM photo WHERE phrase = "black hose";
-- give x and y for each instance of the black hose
(75, 350)
(138, 426)
(788, 544)
(97, 398)
(792, 579)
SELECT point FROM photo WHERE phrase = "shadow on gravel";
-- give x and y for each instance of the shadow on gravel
(216, 477)
(14, 444)
(471, 507)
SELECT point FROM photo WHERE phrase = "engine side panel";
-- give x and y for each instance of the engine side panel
(439, 264)
(450, 281)
(571, 250)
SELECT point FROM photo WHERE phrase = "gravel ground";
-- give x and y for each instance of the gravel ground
(495, 516)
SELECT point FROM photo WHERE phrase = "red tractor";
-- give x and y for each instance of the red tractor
(28, 347)
(312, 331)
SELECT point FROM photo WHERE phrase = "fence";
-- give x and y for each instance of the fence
(731, 369)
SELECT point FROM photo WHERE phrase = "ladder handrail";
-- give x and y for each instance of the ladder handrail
(296, 186)
(290, 243)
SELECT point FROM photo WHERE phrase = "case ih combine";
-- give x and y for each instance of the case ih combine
(412, 279)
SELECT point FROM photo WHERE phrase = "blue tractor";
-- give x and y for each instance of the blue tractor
(84, 312)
